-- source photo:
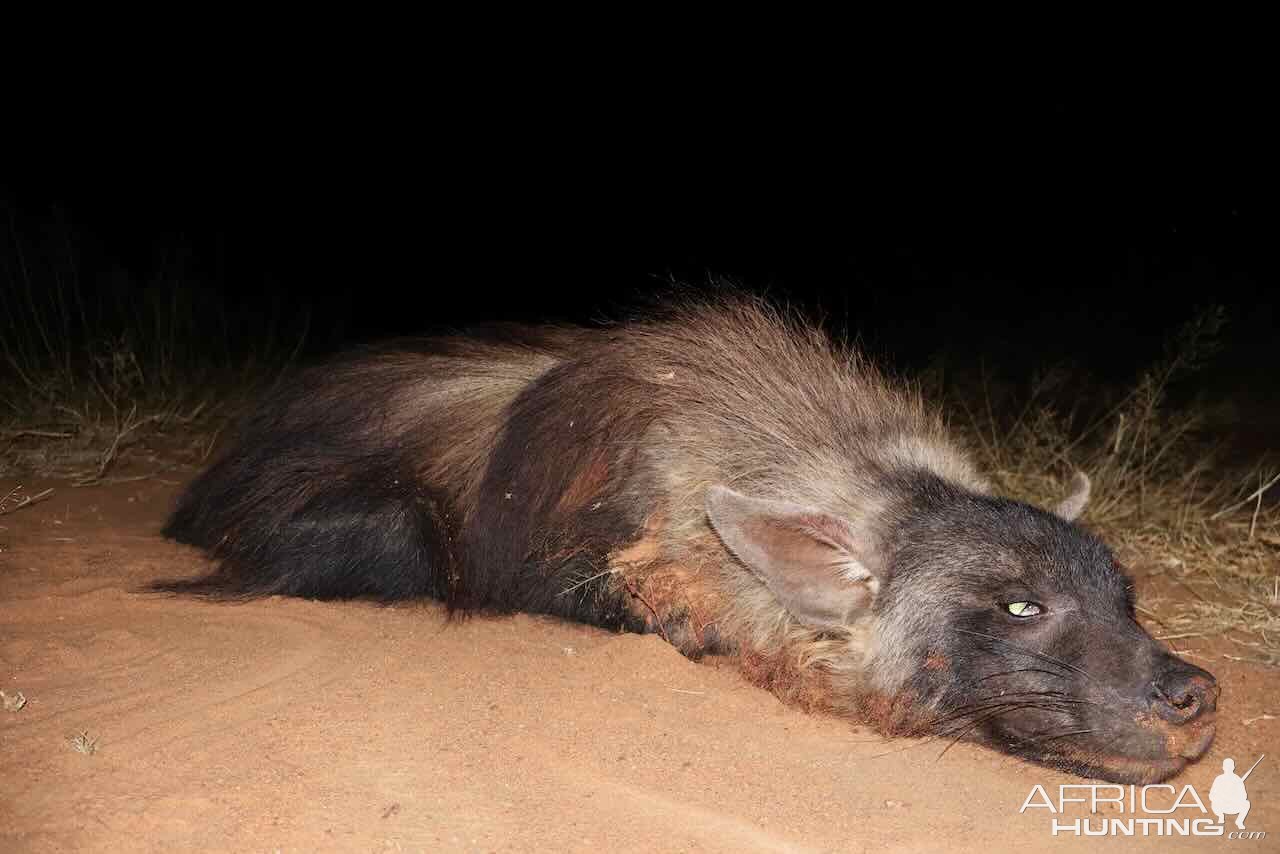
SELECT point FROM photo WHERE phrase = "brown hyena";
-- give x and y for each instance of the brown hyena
(729, 477)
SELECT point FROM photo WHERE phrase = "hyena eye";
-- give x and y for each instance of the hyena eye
(1023, 609)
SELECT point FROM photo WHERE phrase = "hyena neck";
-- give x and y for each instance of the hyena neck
(904, 664)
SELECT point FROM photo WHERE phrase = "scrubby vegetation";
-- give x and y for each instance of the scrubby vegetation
(97, 366)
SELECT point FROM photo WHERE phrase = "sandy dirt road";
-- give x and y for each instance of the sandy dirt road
(304, 726)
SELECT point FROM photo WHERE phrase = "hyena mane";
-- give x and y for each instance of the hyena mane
(723, 474)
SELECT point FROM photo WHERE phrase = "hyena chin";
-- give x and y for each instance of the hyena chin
(727, 476)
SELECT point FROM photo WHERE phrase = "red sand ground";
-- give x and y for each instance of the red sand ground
(300, 726)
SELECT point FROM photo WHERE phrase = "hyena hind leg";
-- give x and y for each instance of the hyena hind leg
(377, 534)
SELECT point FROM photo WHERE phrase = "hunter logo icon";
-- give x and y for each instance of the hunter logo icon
(1227, 795)
(1146, 810)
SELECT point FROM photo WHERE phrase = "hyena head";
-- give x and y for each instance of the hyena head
(991, 620)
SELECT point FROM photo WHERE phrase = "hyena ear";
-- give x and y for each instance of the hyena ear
(1073, 505)
(813, 561)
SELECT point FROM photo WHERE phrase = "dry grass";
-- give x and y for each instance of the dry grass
(98, 369)
(12, 702)
(15, 499)
(1160, 493)
(82, 431)
(82, 743)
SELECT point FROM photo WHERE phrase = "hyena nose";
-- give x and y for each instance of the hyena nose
(1184, 692)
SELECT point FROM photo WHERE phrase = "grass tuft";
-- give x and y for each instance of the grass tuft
(82, 743)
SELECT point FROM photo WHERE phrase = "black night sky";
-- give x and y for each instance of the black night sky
(1019, 232)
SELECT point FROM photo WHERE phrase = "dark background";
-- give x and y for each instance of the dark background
(1021, 231)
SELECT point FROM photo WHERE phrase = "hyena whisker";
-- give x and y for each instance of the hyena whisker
(1031, 741)
(1039, 740)
(927, 737)
(964, 730)
(966, 720)
(977, 708)
(1009, 697)
(963, 717)
(1053, 673)
(1040, 655)
(586, 581)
